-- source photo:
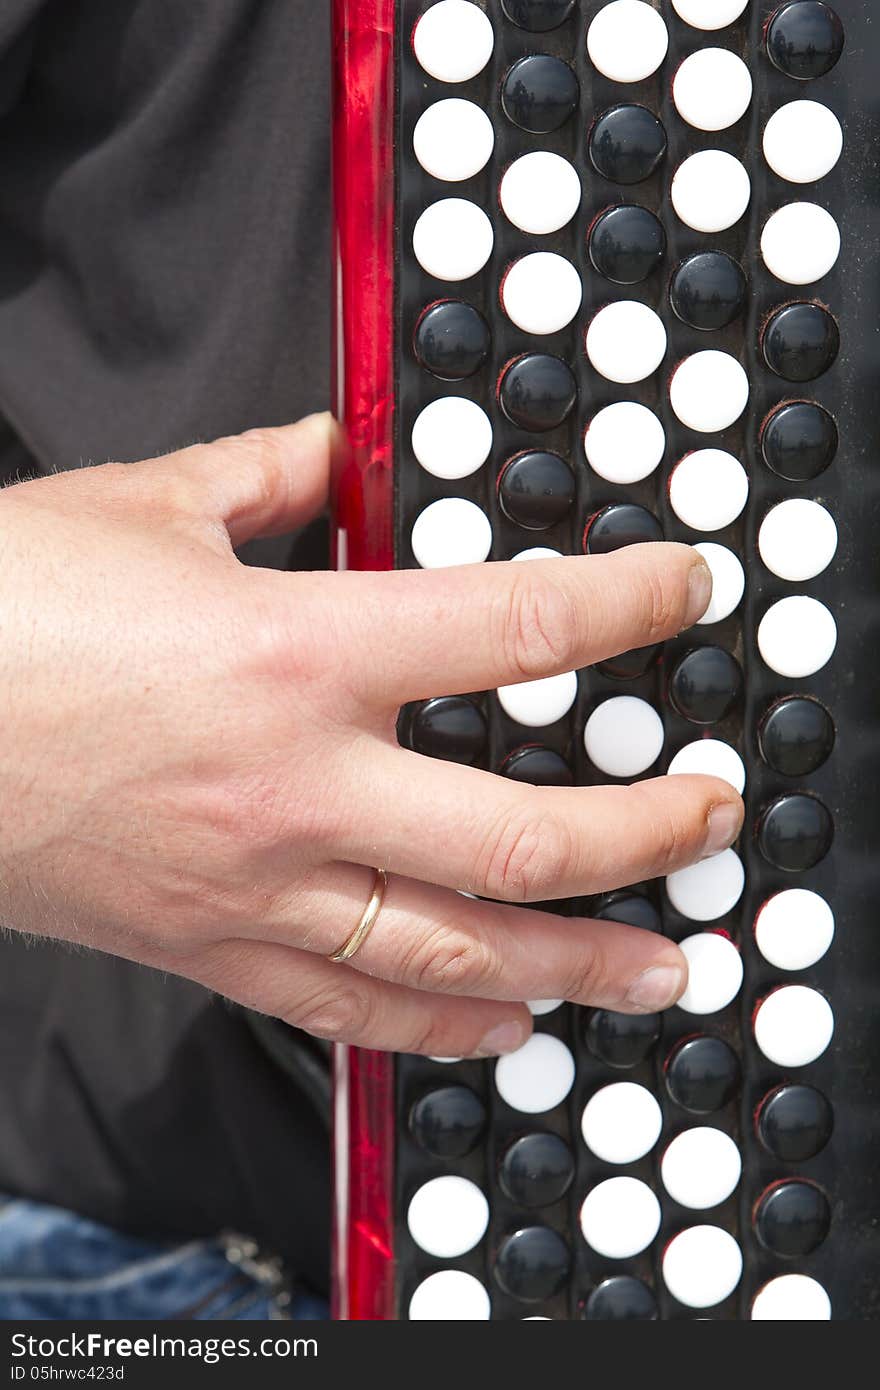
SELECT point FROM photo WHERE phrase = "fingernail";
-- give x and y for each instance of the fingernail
(699, 592)
(725, 822)
(504, 1037)
(656, 988)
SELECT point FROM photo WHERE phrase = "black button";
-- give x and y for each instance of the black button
(621, 1297)
(795, 832)
(621, 1040)
(708, 290)
(452, 340)
(540, 93)
(702, 1074)
(799, 441)
(795, 1122)
(805, 39)
(792, 1218)
(626, 244)
(628, 665)
(800, 341)
(449, 727)
(536, 1170)
(537, 392)
(448, 1122)
(533, 1264)
(540, 767)
(620, 524)
(537, 15)
(632, 908)
(627, 144)
(705, 685)
(796, 736)
(536, 490)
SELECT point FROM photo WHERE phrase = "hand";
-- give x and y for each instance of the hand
(200, 766)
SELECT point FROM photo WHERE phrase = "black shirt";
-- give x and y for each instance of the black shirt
(164, 277)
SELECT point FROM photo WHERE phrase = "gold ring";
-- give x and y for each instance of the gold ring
(368, 920)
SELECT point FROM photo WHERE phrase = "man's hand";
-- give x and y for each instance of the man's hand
(200, 767)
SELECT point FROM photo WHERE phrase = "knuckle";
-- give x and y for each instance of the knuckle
(671, 838)
(662, 608)
(588, 978)
(526, 858)
(452, 962)
(540, 627)
(341, 1015)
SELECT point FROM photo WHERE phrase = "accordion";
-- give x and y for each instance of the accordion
(608, 272)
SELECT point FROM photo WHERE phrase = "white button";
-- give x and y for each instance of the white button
(448, 1216)
(451, 531)
(708, 489)
(624, 736)
(538, 552)
(702, 1266)
(710, 191)
(709, 14)
(453, 239)
(450, 1295)
(626, 341)
(715, 968)
(624, 443)
(620, 1218)
(453, 140)
(541, 293)
(453, 41)
(627, 41)
(800, 243)
(541, 702)
(794, 929)
(712, 89)
(797, 539)
(538, 1007)
(621, 1123)
(452, 437)
(537, 1077)
(540, 192)
(792, 1298)
(707, 890)
(728, 581)
(701, 1168)
(446, 1061)
(802, 141)
(711, 757)
(797, 636)
(709, 391)
(794, 1025)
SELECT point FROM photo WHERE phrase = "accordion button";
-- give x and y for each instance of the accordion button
(797, 636)
(621, 1122)
(792, 1218)
(452, 340)
(792, 1298)
(799, 441)
(628, 666)
(449, 727)
(621, 1298)
(448, 1216)
(702, 1074)
(708, 291)
(702, 1266)
(620, 1218)
(536, 1170)
(632, 908)
(805, 39)
(541, 293)
(450, 1295)
(800, 243)
(710, 757)
(626, 341)
(795, 832)
(537, 1077)
(540, 193)
(532, 1264)
(618, 525)
(621, 1040)
(709, 391)
(800, 341)
(452, 437)
(715, 972)
(627, 41)
(701, 1168)
(540, 93)
(624, 442)
(536, 490)
(453, 140)
(710, 191)
(794, 929)
(796, 736)
(793, 1025)
(708, 489)
(539, 703)
(795, 1123)
(626, 244)
(537, 392)
(451, 531)
(623, 736)
(728, 582)
(712, 89)
(797, 539)
(539, 767)
(453, 239)
(705, 685)
(802, 141)
(453, 40)
(627, 144)
(448, 1122)
(704, 892)
(537, 15)
(709, 14)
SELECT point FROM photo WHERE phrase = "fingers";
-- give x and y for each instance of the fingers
(435, 940)
(335, 1002)
(472, 830)
(479, 626)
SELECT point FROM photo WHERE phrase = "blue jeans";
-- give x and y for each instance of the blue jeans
(54, 1264)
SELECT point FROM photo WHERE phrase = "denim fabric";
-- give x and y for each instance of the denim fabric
(54, 1264)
